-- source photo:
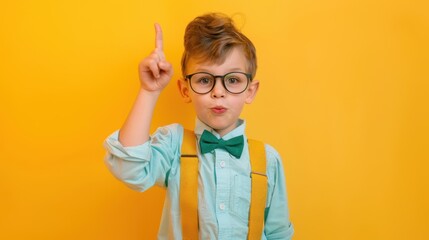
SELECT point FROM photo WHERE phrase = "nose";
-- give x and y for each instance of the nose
(218, 90)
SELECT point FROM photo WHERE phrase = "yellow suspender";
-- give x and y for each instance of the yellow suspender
(189, 187)
(259, 188)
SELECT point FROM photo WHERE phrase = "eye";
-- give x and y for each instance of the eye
(204, 80)
(233, 80)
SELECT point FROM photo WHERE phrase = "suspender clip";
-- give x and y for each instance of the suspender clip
(258, 173)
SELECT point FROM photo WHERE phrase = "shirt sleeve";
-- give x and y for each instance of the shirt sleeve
(140, 167)
(277, 219)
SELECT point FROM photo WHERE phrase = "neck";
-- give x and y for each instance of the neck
(223, 132)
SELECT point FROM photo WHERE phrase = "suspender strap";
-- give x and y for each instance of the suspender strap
(259, 188)
(189, 186)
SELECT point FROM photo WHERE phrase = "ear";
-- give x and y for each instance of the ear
(184, 90)
(251, 91)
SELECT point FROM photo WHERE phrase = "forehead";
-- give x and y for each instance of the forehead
(235, 60)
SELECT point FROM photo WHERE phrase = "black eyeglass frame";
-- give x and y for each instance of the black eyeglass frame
(248, 75)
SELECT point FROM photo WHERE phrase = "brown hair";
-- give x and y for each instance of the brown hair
(211, 37)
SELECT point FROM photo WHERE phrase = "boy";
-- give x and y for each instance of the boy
(218, 66)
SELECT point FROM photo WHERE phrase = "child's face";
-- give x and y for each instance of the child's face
(219, 108)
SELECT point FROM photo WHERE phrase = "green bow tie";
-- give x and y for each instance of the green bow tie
(209, 142)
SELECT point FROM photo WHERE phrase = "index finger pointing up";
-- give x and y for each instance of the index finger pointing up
(158, 37)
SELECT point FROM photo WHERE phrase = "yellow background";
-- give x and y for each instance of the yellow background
(343, 98)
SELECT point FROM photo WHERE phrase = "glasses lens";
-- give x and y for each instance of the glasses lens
(236, 82)
(202, 82)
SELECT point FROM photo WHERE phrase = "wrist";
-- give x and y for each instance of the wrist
(149, 93)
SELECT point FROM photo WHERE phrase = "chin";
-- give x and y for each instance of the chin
(218, 123)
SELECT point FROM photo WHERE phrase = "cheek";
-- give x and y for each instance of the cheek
(238, 104)
(198, 102)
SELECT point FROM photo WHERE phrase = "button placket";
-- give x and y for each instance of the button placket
(223, 188)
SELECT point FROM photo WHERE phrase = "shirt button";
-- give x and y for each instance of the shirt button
(222, 206)
(222, 164)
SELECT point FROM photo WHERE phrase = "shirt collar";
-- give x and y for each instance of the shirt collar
(237, 131)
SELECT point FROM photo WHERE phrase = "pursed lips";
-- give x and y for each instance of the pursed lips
(218, 109)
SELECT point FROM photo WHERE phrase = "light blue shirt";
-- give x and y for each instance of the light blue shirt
(223, 183)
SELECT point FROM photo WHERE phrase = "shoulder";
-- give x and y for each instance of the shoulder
(174, 130)
(169, 135)
(271, 152)
(274, 160)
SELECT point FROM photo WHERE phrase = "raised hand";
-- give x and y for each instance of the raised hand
(155, 71)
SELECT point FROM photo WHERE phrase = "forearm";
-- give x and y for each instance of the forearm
(136, 128)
